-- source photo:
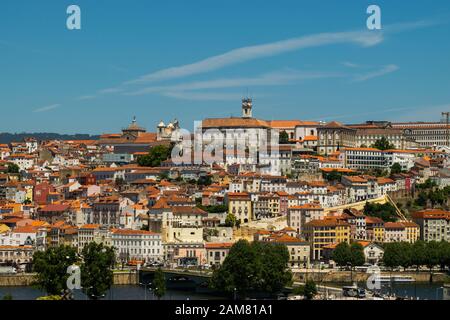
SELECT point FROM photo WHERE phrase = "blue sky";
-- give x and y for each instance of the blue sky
(308, 60)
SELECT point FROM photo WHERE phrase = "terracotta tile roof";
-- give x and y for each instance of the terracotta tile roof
(286, 239)
(55, 208)
(188, 210)
(25, 229)
(431, 214)
(356, 179)
(331, 222)
(385, 181)
(234, 122)
(133, 232)
(161, 204)
(214, 245)
(394, 225)
(307, 206)
(362, 149)
(90, 226)
(335, 125)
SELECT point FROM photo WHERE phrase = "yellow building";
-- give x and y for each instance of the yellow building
(320, 233)
(274, 205)
(240, 205)
(375, 229)
(412, 231)
(4, 228)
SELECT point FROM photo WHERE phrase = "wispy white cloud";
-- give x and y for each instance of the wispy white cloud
(243, 54)
(47, 108)
(110, 90)
(364, 38)
(377, 73)
(269, 79)
(350, 64)
(86, 97)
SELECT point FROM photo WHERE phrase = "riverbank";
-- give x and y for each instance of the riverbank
(334, 276)
(26, 279)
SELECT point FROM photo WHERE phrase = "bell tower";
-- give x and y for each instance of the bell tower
(247, 108)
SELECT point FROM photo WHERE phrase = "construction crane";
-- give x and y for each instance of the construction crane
(447, 135)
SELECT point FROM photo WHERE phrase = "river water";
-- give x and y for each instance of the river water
(423, 291)
(126, 292)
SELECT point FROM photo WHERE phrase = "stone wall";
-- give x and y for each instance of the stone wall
(18, 280)
(345, 276)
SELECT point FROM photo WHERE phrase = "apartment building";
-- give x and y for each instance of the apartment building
(137, 245)
(333, 136)
(363, 158)
(434, 224)
(426, 134)
(240, 205)
(298, 216)
(217, 252)
(320, 233)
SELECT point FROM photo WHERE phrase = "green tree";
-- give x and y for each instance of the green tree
(332, 176)
(258, 266)
(357, 257)
(383, 144)
(230, 220)
(284, 137)
(13, 168)
(427, 185)
(51, 268)
(422, 199)
(342, 254)
(444, 254)
(397, 254)
(96, 271)
(159, 284)
(308, 290)
(164, 176)
(385, 211)
(204, 181)
(119, 182)
(418, 253)
(272, 263)
(156, 155)
(396, 168)
(220, 208)
(7, 296)
(238, 271)
(432, 255)
(437, 197)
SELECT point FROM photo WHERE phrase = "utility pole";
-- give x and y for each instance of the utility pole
(447, 120)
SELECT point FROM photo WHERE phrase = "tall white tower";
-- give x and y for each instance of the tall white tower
(247, 108)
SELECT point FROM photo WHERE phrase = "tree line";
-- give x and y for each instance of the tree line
(417, 254)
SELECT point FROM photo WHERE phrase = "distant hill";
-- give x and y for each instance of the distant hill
(18, 137)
